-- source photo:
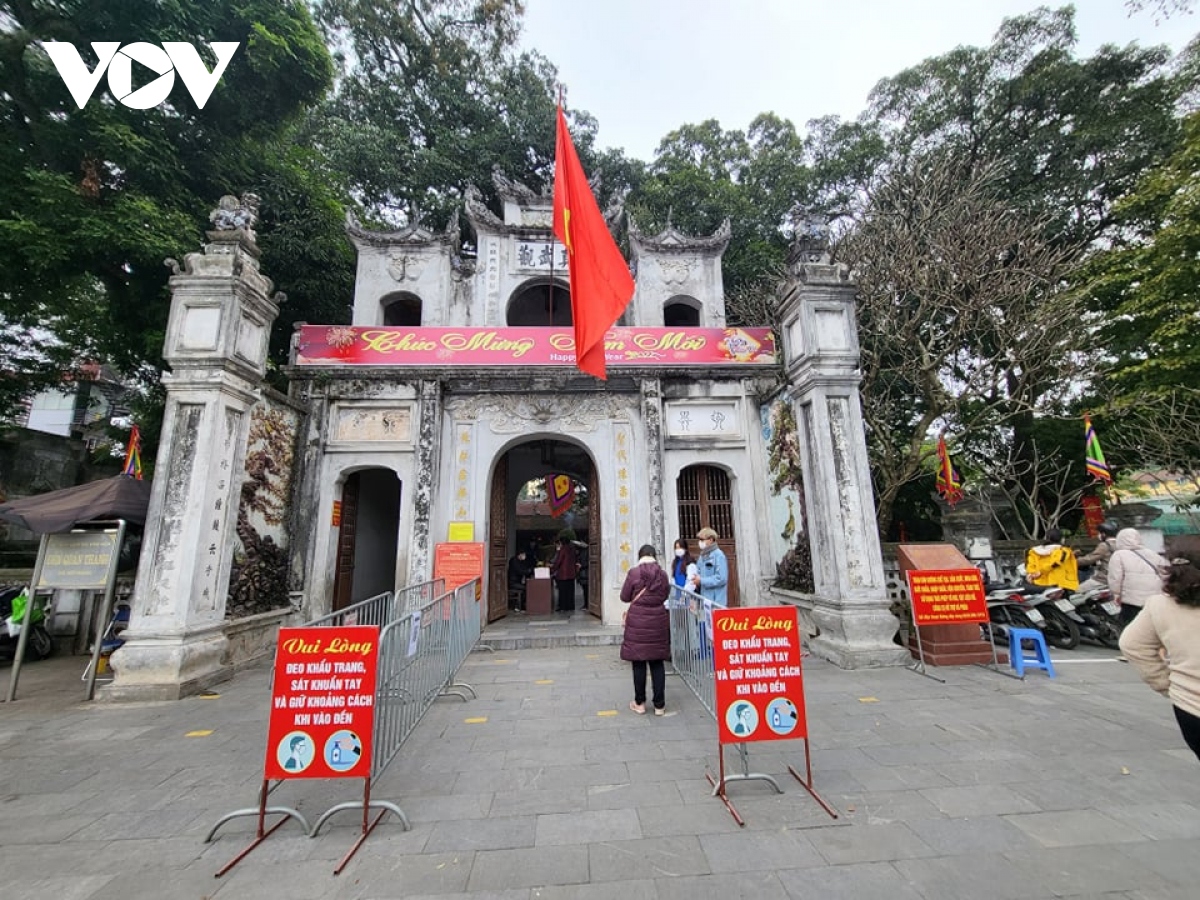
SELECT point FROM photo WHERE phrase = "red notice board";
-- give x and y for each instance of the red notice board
(458, 562)
(323, 703)
(947, 596)
(760, 690)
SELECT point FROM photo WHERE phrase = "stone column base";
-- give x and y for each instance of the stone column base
(856, 637)
(154, 667)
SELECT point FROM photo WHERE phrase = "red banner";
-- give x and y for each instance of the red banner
(947, 596)
(323, 703)
(321, 345)
(1093, 514)
(759, 686)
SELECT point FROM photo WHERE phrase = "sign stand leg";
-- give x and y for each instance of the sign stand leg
(995, 665)
(807, 782)
(367, 826)
(719, 786)
(260, 834)
(919, 666)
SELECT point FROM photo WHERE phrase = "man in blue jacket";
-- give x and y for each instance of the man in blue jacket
(712, 569)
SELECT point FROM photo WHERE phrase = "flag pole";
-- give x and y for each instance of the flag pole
(560, 99)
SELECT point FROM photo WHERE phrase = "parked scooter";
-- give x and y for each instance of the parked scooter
(1101, 615)
(15, 608)
(1062, 621)
(1008, 607)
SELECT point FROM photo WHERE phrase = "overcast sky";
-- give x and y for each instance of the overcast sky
(645, 67)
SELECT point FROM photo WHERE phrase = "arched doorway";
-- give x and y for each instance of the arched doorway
(520, 515)
(706, 500)
(542, 302)
(368, 523)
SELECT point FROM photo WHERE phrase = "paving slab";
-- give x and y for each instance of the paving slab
(547, 787)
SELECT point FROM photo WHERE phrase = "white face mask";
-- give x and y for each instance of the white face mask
(679, 552)
(704, 545)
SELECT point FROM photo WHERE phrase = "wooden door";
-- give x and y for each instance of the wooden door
(595, 588)
(497, 602)
(343, 582)
(706, 501)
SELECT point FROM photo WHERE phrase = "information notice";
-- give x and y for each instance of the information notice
(947, 596)
(760, 689)
(323, 703)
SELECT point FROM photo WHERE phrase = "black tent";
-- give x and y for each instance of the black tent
(120, 497)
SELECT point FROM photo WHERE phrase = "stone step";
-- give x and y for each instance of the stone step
(579, 630)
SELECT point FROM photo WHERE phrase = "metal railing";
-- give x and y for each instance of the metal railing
(691, 643)
(426, 633)
(419, 655)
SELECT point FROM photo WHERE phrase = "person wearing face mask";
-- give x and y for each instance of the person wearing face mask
(679, 565)
(712, 577)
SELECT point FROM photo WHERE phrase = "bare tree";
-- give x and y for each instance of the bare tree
(1040, 480)
(964, 322)
(1164, 433)
(1161, 9)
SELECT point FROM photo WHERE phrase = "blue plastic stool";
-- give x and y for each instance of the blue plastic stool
(1016, 653)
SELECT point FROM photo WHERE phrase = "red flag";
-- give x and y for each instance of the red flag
(601, 285)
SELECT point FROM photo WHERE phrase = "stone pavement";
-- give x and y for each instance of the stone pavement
(547, 787)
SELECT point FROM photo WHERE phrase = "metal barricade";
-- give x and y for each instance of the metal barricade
(425, 634)
(419, 655)
(691, 643)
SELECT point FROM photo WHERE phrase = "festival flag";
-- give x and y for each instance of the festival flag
(949, 482)
(1096, 465)
(601, 285)
(561, 491)
(133, 454)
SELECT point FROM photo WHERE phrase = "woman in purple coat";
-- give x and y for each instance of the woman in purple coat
(647, 639)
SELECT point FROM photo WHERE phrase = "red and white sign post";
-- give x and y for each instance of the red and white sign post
(759, 689)
(322, 718)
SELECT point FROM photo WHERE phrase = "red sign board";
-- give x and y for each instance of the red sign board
(947, 596)
(759, 687)
(458, 562)
(322, 345)
(323, 703)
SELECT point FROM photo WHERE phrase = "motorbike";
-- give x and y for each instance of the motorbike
(1062, 620)
(1008, 607)
(15, 609)
(1101, 616)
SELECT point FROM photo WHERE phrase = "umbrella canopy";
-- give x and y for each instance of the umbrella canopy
(120, 497)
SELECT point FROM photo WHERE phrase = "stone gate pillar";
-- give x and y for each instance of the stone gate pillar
(216, 345)
(820, 340)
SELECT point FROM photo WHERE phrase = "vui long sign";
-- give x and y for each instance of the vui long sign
(167, 60)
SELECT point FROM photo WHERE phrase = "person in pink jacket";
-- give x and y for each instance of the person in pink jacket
(1135, 573)
(1170, 624)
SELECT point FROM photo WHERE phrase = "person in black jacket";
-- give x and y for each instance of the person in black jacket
(647, 640)
(520, 570)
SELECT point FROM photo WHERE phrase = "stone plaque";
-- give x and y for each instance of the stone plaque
(357, 423)
(703, 419)
(201, 325)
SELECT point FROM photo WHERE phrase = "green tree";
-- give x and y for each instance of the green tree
(95, 199)
(1059, 140)
(1071, 135)
(1148, 289)
(432, 99)
(703, 174)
